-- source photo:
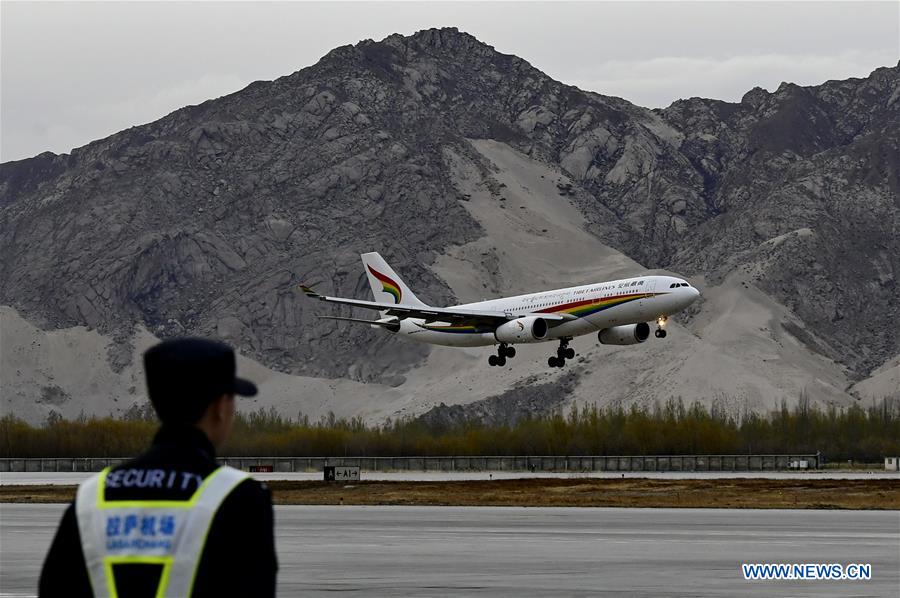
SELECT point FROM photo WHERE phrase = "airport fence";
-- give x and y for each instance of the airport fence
(447, 464)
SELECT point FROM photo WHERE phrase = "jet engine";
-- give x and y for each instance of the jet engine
(629, 334)
(530, 329)
(389, 324)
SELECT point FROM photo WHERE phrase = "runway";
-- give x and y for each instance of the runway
(74, 478)
(436, 551)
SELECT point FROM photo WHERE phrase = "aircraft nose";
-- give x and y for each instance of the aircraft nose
(695, 294)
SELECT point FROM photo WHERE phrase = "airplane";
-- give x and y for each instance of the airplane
(618, 311)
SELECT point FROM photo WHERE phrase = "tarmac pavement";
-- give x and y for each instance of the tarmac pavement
(461, 551)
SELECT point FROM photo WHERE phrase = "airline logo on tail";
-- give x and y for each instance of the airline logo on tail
(387, 285)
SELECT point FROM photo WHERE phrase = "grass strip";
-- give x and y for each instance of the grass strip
(740, 493)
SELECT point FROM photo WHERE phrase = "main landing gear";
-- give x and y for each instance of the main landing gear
(504, 351)
(660, 330)
(564, 352)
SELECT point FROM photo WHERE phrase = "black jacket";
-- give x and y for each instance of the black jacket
(239, 555)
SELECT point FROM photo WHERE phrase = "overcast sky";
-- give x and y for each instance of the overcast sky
(75, 72)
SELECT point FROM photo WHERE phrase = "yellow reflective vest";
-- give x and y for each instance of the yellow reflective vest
(167, 535)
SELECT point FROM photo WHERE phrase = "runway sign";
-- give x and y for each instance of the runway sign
(341, 474)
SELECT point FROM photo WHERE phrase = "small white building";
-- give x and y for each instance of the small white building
(892, 463)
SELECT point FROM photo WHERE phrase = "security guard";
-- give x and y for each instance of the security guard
(172, 522)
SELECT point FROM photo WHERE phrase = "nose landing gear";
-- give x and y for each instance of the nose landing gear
(504, 351)
(564, 352)
(661, 323)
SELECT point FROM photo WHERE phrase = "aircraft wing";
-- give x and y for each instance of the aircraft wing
(432, 314)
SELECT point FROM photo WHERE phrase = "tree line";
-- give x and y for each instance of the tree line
(865, 433)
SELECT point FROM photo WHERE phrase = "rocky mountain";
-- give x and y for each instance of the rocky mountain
(803, 191)
(530, 398)
(466, 168)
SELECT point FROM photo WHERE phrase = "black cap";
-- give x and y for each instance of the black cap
(184, 375)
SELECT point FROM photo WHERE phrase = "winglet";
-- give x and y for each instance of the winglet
(309, 292)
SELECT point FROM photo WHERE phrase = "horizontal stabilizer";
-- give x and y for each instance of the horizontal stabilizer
(309, 292)
(361, 321)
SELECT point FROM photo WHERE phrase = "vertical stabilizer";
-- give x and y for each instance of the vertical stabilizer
(387, 287)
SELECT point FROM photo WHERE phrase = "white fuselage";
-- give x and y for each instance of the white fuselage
(595, 307)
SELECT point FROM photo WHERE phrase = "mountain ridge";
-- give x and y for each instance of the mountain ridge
(202, 221)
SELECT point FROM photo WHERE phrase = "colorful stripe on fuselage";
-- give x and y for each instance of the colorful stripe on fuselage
(387, 285)
(580, 309)
(587, 307)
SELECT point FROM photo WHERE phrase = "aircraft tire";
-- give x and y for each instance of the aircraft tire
(501, 361)
(552, 362)
(570, 353)
(492, 360)
(510, 352)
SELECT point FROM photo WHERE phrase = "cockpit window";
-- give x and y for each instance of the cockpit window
(672, 286)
